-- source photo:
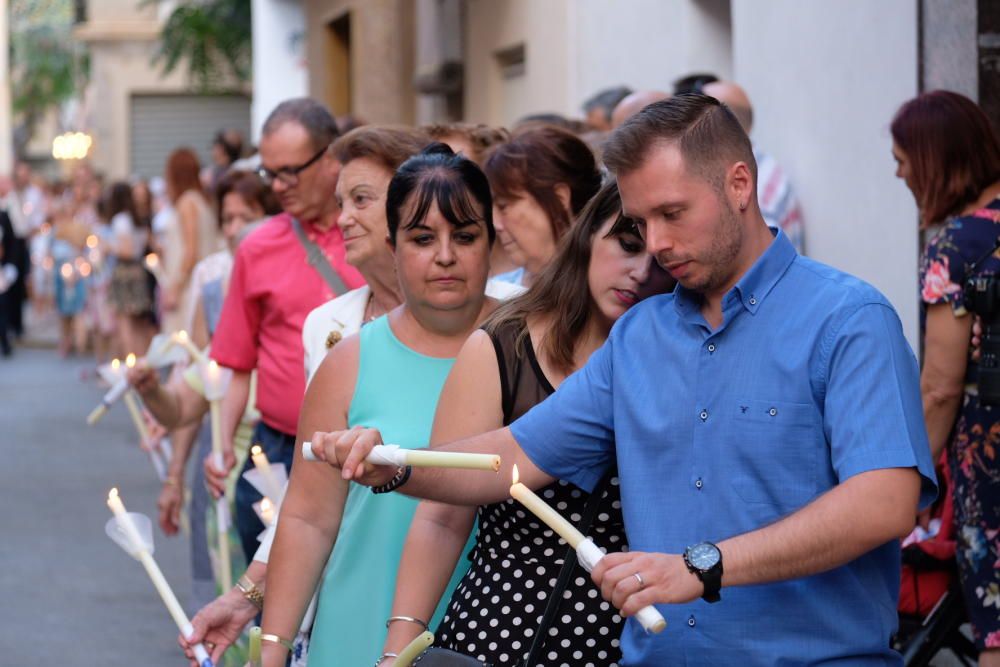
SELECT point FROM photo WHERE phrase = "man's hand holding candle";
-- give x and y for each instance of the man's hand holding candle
(215, 479)
(663, 578)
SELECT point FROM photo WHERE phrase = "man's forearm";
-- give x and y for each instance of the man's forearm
(163, 405)
(851, 519)
(234, 404)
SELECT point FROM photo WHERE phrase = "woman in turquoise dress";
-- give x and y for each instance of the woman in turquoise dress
(389, 377)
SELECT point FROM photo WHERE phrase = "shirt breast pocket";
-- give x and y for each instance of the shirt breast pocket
(777, 445)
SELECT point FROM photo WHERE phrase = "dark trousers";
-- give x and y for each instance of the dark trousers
(5, 306)
(279, 448)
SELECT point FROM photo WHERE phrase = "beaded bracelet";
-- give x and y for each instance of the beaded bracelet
(398, 480)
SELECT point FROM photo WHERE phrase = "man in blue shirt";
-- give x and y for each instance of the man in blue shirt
(765, 419)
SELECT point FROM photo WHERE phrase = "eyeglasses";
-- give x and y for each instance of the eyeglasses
(289, 175)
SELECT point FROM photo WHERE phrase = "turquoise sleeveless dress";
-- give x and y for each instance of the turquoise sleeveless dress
(397, 393)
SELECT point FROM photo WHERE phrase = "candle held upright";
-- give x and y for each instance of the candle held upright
(216, 382)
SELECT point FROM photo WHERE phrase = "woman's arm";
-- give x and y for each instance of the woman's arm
(946, 352)
(313, 505)
(438, 532)
(187, 218)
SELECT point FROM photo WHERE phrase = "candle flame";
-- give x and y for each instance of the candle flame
(516, 477)
(85, 269)
(266, 505)
(115, 363)
(66, 270)
(152, 260)
(181, 336)
(130, 360)
(255, 451)
(213, 368)
(92, 241)
(113, 493)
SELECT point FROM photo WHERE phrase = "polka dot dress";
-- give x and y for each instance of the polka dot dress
(498, 605)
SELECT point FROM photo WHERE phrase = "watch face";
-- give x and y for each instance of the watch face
(704, 556)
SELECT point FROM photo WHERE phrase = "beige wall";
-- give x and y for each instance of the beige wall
(381, 56)
(118, 69)
(492, 27)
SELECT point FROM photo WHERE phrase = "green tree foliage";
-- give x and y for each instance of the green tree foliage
(213, 39)
(47, 66)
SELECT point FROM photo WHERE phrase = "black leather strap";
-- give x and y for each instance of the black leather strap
(565, 574)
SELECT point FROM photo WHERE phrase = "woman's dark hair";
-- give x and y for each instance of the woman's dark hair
(535, 161)
(437, 176)
(119, 200)
(231, 144)
(561, 290)
(250, 188)
(952, 150)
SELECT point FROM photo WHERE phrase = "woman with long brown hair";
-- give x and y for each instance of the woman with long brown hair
(528, 347)
(949, 156)
(191, 236)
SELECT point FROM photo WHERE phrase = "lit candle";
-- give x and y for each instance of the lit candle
(153, 264)
(181, 338)
(141, 552)
(544, 511)
(253, 653)
(587, 552)
(66, 271)
(263, 466)
(266, 511)
(118, 387)
(414, 649)
(394, 455)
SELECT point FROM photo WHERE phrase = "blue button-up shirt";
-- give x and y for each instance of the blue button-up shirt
(807, 382)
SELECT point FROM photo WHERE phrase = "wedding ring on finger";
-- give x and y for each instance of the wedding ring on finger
(638, 577)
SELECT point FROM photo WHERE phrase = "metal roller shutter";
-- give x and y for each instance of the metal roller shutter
(162, 123)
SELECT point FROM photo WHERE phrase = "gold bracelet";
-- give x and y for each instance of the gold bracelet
(250, 591)
(275, 639)
(408, 619)
(171, 481)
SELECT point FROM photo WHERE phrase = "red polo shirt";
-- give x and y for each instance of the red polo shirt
(271, 291)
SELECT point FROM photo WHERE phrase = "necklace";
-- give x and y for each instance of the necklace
(372, 309)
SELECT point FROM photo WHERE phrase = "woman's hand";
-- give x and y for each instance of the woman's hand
(215, 479)
(348, 450)
(218, 625)
(144, 379)
(169, 505)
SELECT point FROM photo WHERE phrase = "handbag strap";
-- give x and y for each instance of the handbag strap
(317, 259)
(565, 574)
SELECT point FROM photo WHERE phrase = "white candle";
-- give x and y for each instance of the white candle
(588, 553)
(221, 504)
(544, 511)
(395, 455)
(155, 574)
(263, 466)
(135, 410)
(118, 388)
(181, 338)
(153, 264)
(266, 511)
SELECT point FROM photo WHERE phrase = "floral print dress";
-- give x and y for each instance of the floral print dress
(975, 440)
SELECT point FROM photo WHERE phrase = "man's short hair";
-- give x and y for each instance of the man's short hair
(310, 114)
(607, 100)
(707, 133)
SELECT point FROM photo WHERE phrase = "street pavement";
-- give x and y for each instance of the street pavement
(68, 594)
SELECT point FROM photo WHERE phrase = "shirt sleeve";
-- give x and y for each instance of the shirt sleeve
(234, 344)
(570, 435)
(943, 273)
(873, 414)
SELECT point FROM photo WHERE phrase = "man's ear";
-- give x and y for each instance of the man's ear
(740, 185)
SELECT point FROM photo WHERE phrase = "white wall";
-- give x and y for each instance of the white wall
(825, 80)
(644, 44)
(279, 70)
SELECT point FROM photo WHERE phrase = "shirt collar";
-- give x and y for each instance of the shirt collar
(754, 286)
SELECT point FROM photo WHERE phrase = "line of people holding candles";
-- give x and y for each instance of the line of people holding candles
(379, 305)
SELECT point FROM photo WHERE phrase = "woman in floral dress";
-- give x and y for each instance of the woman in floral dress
(949, 157)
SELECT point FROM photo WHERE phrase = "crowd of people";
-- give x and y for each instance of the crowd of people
(619, 306)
